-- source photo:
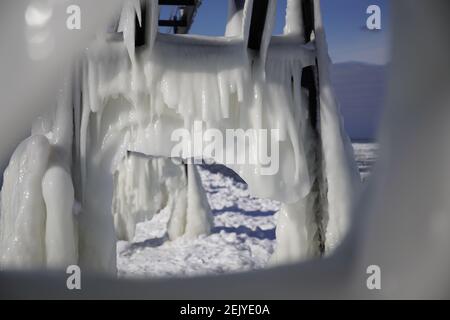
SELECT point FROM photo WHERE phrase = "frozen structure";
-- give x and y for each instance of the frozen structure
(60, 204)
(144, 186)
(402, 225)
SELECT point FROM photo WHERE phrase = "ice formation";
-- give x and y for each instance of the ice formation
(123, 99)
(145, 186)
(235, 18)
(38, 227)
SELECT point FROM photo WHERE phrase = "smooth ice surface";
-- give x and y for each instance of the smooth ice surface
(23, 214)
(37, 197)
(61, 232)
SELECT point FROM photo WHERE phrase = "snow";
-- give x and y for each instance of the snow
(242, 239)
(243, 235)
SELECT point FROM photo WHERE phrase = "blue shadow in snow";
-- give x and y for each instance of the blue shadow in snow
(220, 168)
(258, 233)
(256, 213)
(149, 243)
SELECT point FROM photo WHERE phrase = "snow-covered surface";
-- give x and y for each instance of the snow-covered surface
(243, 236)
(242, 239)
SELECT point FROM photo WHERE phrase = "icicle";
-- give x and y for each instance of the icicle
(63, 133)
(60, 228)
(143, 187)
(268, 29)
(153, 16)
(198, 218)
(296, 233)
(127, 26)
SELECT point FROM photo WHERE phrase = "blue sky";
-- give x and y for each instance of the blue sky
(344, 20)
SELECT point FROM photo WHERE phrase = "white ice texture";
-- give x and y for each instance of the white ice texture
(123, 99)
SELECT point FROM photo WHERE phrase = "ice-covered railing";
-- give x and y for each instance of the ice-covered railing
(121, 99)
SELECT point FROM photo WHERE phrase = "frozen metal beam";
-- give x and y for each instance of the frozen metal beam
(173, 23)
(177, 2)
(308, 18)
(257, 23)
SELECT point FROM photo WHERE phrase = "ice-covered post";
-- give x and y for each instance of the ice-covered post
(259, 20)
(294, 21)
(198, 219)
(235, 18)
(341, 174)
(299, 226)
(324, 214)
(258, 24)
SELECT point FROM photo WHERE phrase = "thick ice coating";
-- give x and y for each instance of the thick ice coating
(126, 99)
(143, 186)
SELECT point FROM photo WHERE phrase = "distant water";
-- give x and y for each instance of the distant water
(365, 155)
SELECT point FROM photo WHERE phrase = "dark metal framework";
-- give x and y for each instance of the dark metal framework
(180, 25)
(310, 82)
(183, 23)
(258, 21)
